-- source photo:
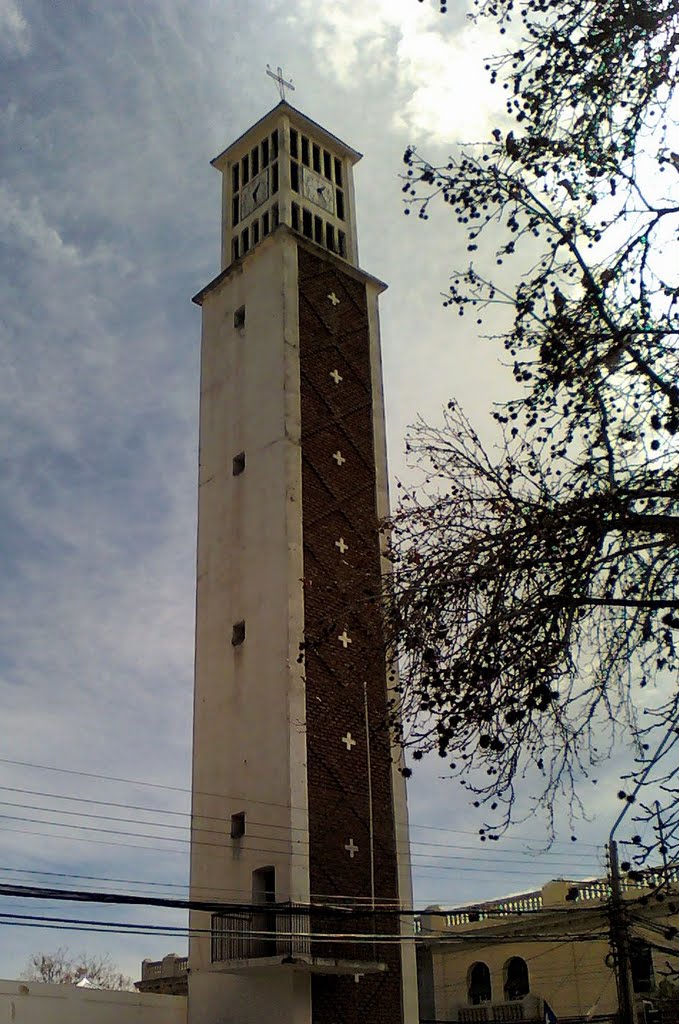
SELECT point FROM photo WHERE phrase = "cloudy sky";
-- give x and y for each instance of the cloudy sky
(109, 220)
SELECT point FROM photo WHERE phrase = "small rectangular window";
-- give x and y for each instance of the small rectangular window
(265, 152)
(274, 144)
(265, 224)
(295, 217)
(294, 137)
(316, 153)
(327, 164)
(234, 249)
(254, 161)
(238, 464)
(307, 224)
(274, 177)
(330, 237)
(238, 825)
(239, 316)
(305, 151)
(318, 230)
(235, 209)
(294, 176)
(245, 169)
(235, 177)
(340, 204)
(255, 232)
(238, 633)
(274, 216)
(245, 240)
(338, 171)
(342, 243)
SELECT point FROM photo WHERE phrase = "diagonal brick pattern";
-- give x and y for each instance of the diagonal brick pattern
(341, 599)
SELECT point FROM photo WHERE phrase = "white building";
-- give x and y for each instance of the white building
(32, 1002)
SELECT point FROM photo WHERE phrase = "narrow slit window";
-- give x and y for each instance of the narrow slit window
(238, 825)
(245, 169)
(305, 151)
(245, 240)
(234, 249)
(294, 143)
(318, 230)
(265, 152)
(330, 237)
(239, 323)
(327, 164)
(295, 217)
(238, 633)
(274, 177)
(307, 224)
(265, 224)
(342, 243)
(338, 171)
(316, 154)
(239, 464)
(274, 144)
(294, 176)
(274, 216)
(235, 177)
(235, 209)
(254, 161)
(340, 204)
(255, 232)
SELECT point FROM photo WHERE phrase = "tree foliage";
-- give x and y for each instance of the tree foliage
(62, 968)
(536, 583)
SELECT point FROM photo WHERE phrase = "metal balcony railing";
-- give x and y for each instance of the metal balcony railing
(260, 932)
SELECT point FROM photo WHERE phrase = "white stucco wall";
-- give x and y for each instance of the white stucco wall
(249, 706)
(28, 1002)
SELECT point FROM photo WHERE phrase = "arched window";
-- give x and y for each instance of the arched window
(516, 978)
(479, 984)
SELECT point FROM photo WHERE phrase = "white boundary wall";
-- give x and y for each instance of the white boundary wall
(30, 1002)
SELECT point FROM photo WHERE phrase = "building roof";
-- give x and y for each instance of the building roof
(301, 121)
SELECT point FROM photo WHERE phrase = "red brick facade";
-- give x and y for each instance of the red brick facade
(341, 594)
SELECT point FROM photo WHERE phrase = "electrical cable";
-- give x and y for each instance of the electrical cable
(353, 938)
(224, 796)
(226, 835)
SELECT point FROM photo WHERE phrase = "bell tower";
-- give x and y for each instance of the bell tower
(299, 847)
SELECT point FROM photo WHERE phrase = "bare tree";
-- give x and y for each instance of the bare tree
(62, 968)
(535, 589)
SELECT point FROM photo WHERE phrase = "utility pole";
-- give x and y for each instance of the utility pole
(619, 921)
(620, 940)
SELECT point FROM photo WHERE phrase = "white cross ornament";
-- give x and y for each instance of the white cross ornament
(336, 376)
(348, 741)
(333, 298)
(345, 639)
(342, 545)
(339, 458)
(351, 848)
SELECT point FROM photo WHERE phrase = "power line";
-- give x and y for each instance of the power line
(224, 834)
(353, 938)
(219, 796)
(225, 820)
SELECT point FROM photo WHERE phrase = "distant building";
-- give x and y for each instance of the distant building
(168, 976)
(506, 960)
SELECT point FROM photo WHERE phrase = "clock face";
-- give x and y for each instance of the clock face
(254, 193)
(318, 190)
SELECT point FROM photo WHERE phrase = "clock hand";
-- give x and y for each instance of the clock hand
(256, 190)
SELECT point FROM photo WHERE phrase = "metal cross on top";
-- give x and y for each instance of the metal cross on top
(280, 81)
